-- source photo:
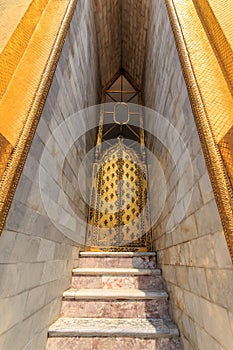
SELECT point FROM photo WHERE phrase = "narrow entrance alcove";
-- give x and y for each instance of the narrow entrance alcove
(155, 75)
(119, 217)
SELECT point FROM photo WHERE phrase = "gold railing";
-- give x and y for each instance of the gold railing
(204, 40)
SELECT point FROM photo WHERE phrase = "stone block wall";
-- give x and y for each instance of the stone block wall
(193, 255)
(121, 30)
(135, 15)
(108, 27)
(36, 259)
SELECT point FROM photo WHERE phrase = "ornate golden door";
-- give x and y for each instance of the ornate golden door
(119, 207)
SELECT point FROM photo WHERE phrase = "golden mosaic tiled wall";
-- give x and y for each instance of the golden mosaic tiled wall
(204, 37)
(27, 63)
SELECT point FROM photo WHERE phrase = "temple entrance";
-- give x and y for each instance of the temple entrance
(119, 216)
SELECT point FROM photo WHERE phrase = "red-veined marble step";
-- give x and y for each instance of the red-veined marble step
(118, 303)
(116, 343)
(116, 278)
(118, 260)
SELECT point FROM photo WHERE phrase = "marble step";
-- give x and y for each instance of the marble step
(110, 327)
(116, 254)
(116, 343)
(98, 294)
(120, 303)
(115, 278)
(118, 260)
(115, 271)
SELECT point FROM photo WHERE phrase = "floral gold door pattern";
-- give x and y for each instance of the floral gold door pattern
(119, 218)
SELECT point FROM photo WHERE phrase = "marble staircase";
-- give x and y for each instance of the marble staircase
(116, 301)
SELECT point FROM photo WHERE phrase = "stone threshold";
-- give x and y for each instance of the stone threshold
(116, 254)
(109, 327)
(111, 294)
(115, 271)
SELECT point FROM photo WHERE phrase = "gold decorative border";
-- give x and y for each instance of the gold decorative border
(38, 94)
(218, 175)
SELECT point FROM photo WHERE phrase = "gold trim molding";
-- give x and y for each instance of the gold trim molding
(210, 96)
(28, 86)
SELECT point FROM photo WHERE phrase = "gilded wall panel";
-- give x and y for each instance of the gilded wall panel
(205, 61)
(27, 62)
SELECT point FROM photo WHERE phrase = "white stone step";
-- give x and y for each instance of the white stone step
(116, 254)
(115, 271)
(97, 294)
(118, 260)
(110, 327)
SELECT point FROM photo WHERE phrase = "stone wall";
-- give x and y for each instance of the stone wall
(35, 257)
(193, 255)
(108, 28)
(135, 15)
(121, 29)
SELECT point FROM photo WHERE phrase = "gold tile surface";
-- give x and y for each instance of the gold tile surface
(11, 13)
(24, 97)
(203, 58)
(219, 29)
(13, 50)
